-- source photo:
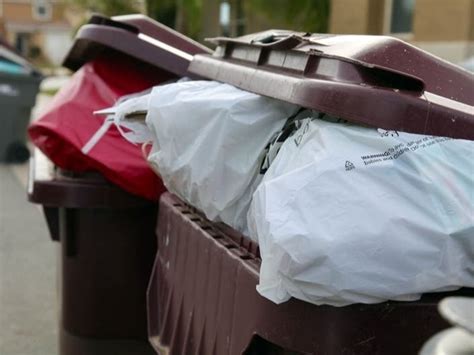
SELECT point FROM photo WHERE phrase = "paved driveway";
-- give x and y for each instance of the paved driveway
(28, 297)
(28, 264)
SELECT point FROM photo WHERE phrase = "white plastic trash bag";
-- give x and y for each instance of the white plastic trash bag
(208, 144)
(348, 214)
(136, 130)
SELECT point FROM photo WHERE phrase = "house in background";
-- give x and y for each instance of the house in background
(39, 29)
(444, 28)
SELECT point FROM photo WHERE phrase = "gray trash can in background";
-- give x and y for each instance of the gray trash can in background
(19, 85)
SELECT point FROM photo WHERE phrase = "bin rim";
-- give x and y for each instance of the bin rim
(52, 187)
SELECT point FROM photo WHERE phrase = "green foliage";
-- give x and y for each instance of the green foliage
(183, 15)
(107, 7)
(186, 15)
(191, 16)
(298, 15)
(163, 11)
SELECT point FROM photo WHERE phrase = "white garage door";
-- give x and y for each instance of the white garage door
(56, 45)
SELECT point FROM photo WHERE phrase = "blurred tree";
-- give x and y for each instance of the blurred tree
(104, 7)
(182, 15)
(108, 7)
(188, 17)
(163, 11)
(199, 18)
(298, 15)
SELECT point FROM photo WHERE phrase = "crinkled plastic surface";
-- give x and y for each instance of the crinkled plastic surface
(209, 141)
(348, 214)
(68, 124)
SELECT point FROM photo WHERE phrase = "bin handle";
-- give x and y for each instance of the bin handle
(283, 41)
(272, 40)
(280, 41)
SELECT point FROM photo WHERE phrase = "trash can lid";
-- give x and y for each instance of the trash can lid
(10, 67)
(373, 80)
(13, 63)
(136, 36)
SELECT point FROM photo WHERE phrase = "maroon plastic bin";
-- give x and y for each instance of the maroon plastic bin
(107, 235)
(202, 300)
(202, 297)
(107, 252)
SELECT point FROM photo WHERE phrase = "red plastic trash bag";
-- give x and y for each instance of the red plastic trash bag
(69, 123)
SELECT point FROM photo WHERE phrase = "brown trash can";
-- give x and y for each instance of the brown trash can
(107, 251)
(202, 297)
(107, 235)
